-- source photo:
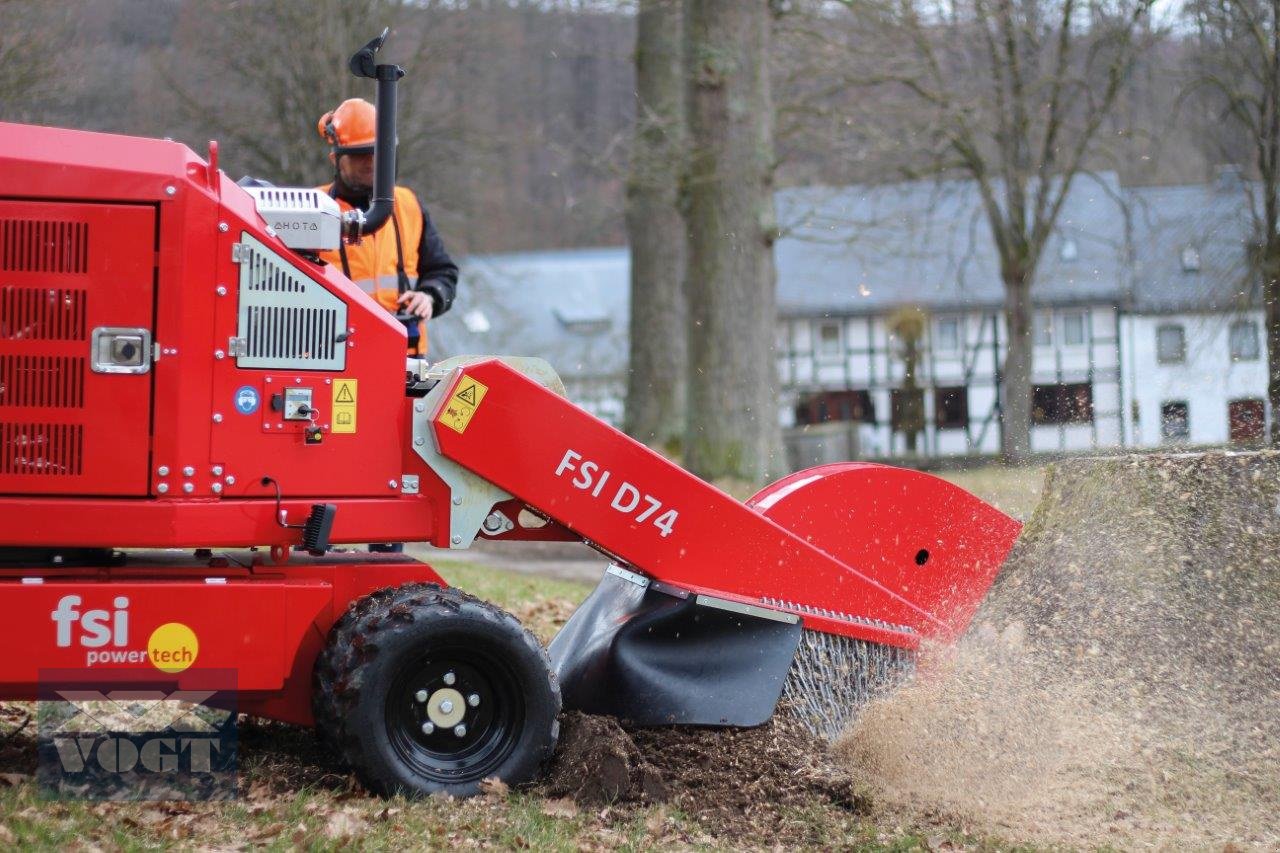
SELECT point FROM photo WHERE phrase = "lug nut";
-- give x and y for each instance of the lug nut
(420, 696)
(428, 728)
(449, 678)
(460, 730)
(473, 700)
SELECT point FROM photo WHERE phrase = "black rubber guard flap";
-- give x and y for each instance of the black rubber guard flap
(653, 655)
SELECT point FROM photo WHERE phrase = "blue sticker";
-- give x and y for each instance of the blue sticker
(246, 399)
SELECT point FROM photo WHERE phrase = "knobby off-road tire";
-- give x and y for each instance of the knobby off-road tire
(492, 702)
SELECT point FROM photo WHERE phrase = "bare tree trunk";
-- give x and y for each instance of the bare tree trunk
(656, 381)
(732, 425)
(1269, 266)
(1015, 404)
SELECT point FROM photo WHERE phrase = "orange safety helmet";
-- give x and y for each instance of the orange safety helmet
(350, 129)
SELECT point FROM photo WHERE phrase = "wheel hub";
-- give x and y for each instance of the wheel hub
(446, 707)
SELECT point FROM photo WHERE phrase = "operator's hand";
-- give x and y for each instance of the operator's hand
(418, 304)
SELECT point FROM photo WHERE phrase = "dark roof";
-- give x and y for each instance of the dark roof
(1213, 221)
(868, 249)
(569, 307)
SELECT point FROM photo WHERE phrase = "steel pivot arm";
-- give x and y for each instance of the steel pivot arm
(513, 433)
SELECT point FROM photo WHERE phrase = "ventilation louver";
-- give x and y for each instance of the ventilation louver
(36, 245)
(286, 320)
(52, 449)
(42, 314)
(42, 381)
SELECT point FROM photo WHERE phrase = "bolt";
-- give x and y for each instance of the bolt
(268, 380)
(420, 696)
(457, 500)
(418, 442)
(219, 354)
(449, 678)
(217, 470)
(162, 488)
(392, 484)
(188, 471)
(419, 407)
(188, 488)
(223, 227)
(297, 380)
(457, 540)
(217, 488)
(474, 700)
(328, 382)
(428, 728)
(231, 479)
(446, 707)
(171, 190)
(163, 470)
(217, 417)
(221, 291)
(460, 730)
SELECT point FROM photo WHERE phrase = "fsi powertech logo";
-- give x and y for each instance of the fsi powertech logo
(122, 735)
(105, 636)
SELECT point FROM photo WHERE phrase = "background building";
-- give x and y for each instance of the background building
(1148, 328)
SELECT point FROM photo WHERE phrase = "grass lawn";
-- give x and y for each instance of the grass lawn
(292, 794)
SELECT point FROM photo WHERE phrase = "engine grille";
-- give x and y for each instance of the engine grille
(36, 245)
(286, 320)
(52, 449)
(42, 313)
(42, 381)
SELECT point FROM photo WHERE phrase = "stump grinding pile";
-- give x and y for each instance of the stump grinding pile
(747, 780)
(1121, 685)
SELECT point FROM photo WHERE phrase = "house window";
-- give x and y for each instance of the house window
(1190, 259)
(906, 409)
(1175, 421)
(946, 335)
(825, 406)
(951, 407)
(1068, 403)
(1171, 344)
(1244, 340)
(1073, 329)
(829, 339)
(1042, 329)
(1246, 420)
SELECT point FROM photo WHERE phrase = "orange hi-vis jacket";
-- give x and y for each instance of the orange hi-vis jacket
(377, 262)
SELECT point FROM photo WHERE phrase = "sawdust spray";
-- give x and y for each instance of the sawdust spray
(1122, 684)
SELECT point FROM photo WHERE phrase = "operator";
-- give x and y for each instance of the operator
(403, 264)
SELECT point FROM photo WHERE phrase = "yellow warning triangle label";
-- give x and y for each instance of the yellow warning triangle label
(344, 395)
(467, 395)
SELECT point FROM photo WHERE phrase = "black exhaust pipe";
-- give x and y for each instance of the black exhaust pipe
(363, 64)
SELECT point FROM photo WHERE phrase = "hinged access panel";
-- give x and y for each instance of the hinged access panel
(68, 271)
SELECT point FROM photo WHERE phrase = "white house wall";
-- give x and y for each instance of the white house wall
(1208, 380)
(865, 360)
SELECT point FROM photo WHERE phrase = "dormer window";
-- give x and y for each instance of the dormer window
(584, 320)
(1190, 259)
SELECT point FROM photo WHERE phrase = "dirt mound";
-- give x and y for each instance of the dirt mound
(1122, 681)
(748, 779)
(597, 763)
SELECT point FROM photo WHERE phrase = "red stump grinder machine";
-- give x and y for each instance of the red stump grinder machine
(178, 370)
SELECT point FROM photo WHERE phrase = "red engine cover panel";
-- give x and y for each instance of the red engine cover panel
(65, 270)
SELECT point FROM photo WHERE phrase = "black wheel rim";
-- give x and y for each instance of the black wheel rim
(493, 714)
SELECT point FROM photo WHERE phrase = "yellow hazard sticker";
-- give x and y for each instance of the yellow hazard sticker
(461, 407)
(344, 405)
